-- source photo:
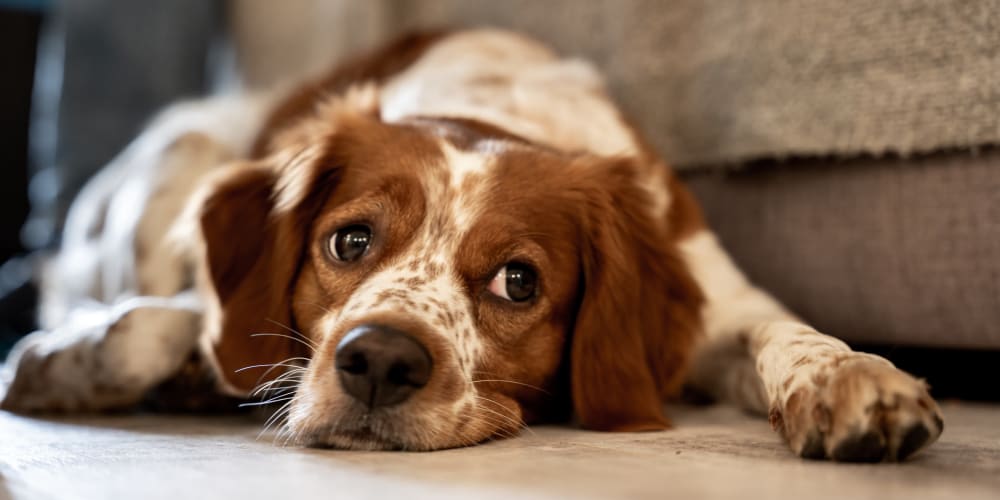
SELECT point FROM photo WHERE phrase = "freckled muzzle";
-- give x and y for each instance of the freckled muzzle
(381, 366)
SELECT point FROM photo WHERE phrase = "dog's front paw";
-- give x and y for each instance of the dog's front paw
(27, 379)
(45, 373)
(857, 407)
(64, 370)
(102, 361)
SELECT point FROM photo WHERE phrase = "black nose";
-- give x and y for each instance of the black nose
(381, 366)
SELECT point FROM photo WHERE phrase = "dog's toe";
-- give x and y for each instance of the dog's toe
(913, 440)
(813, 447)
(862, 447)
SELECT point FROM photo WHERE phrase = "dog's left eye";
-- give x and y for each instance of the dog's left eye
(515, 282)
(350, 243)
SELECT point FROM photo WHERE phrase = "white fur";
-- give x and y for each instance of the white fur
(521, 86)
(101, 357)
(505, 79)
(760, 356)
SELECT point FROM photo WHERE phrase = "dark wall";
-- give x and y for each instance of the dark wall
(19, 36)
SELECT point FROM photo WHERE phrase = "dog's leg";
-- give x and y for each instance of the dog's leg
(102, 358)
(825, 399)
(102, 349)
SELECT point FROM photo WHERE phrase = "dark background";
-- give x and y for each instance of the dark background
(20, 29)
(17, 64)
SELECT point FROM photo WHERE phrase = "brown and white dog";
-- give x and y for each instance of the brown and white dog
(435, 245)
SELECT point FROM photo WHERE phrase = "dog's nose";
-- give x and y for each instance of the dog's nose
(381, 366)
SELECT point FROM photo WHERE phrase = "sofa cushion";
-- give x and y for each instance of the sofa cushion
(871, 250)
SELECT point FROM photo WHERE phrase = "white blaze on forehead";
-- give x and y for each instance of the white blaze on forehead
(467, 184)
(462, 164)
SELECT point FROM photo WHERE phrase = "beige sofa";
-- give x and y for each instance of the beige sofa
(841, 149)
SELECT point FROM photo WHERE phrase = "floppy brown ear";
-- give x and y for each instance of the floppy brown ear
(639, 314)
(251, 257)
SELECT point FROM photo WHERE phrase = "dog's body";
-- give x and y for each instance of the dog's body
(472, 205)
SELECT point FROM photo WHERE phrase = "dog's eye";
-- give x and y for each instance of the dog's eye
(515, 282)
(350, 243)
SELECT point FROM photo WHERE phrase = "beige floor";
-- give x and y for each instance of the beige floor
(715, 453)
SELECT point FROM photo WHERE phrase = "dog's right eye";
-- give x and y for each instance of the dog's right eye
(350, 243)
(515, 282)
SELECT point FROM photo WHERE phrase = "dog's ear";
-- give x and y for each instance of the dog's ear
(640, 310)
(250, 257)
(254, 220)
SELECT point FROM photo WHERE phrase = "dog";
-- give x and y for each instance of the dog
(434, 245)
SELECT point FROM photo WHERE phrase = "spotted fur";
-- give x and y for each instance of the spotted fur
(462, 153)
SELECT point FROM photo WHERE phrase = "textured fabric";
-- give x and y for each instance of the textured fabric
(279, 42)
(717, 81)
(890, 251)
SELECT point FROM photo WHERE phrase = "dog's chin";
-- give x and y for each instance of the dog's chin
(371, 436)
(356, 429)
(352, 427)
(365, 439)
(359, 439)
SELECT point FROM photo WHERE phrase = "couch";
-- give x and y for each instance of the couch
(842, 150)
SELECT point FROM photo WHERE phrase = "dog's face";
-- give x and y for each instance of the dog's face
(449, 286)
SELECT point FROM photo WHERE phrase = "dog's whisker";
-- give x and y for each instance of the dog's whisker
(496, 427)
(272, 387)
(288, 438)
(266, 430)
(269, 401)
(265, 365)
(276, 390)
(316, 304)
(296, 371)
(273, 366)
(312, 347)
(501, 423)
(512, 415)
(517, 422)
(279, 415)
(302, 336)
(280, 391)
(292, 376)
(535, 387)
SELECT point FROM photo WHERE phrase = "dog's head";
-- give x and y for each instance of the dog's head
(448, 284)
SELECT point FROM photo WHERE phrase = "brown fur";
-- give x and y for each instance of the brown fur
(618, 313)
(639, 317)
